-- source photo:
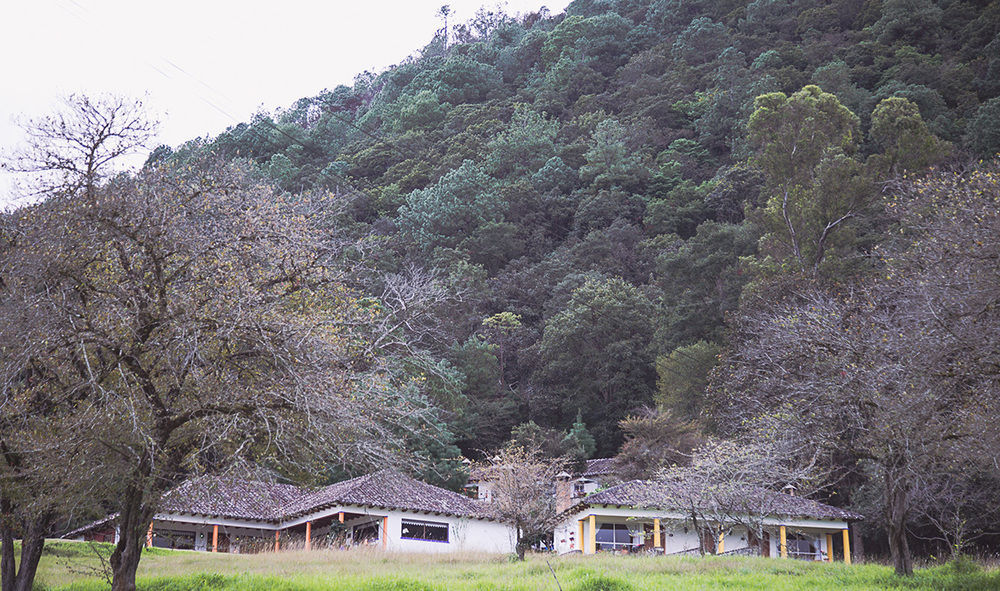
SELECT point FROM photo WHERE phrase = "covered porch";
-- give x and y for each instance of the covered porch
(338, 528)
(625, 530)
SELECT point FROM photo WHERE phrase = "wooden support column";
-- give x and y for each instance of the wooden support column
(340, 517)
(783, 542)
(215, 538)
(277, 544)
(829, 547)
(149, 535)
(722, 542)
(579, 538)
(309, 535)
(847, 547)
(385, 532)
(593, 534)
(656, 532)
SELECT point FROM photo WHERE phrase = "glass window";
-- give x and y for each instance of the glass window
(613, 536)
(429, 531)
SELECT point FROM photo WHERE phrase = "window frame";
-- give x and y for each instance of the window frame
(422, 529)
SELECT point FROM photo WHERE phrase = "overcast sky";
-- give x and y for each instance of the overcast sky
(205, 64)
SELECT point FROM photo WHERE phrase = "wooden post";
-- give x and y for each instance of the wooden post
(783, 542)
(579, 538)
(215, 538)
(385, 532)
(340, 516)
(722, 542)
(277, 545)
(593, 534)
(149, 535)
(309, 535)
(656, 532)
(847, 547)
(829, 547)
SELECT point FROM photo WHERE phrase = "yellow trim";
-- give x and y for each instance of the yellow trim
(579, 538)
(722, 543)
(847, 547)
(829, 547)
(593, 534)
(656, 532)
(783, 546)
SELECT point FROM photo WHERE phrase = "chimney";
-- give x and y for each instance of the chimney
(564, 491)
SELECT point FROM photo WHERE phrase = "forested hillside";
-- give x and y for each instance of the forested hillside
(594, 193)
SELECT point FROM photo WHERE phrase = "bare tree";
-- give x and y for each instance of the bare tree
(196, 321)
(78, 146)
(897, 373)
(521, 481)
(66, 155)
(728, 483)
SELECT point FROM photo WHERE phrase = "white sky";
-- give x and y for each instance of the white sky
(204, 65)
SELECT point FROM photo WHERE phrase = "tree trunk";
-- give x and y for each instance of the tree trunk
(20, 577)
(31, 553)
(896, 506)
(133, 524)
(7, 568)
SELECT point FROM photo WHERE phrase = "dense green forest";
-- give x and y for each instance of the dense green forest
(595, 193)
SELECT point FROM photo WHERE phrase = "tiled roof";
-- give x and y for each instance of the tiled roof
(390, 489)
(231, 498)
(273, 503)
(599, 467)
(652, 494)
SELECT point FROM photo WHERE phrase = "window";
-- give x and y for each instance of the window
(427, 531)
(365, 533)
(613, 536)
(802, 547)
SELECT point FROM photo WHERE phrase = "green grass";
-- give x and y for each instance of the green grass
(70, 566)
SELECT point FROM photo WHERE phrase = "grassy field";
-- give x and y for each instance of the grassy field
(70, 566)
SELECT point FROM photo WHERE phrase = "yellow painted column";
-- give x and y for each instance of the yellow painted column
(215, 538)
(149, 535)
(783, 542)
(579, 538)
(656, 532)
(722, 542)
(277, 545)
(829, 547)
(309, 535)
(340, 517)
(847, 547)
(593, 534)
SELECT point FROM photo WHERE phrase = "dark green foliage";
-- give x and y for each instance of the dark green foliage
(682, 377)
(536, 159)
(984, 132)
(593, 358)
